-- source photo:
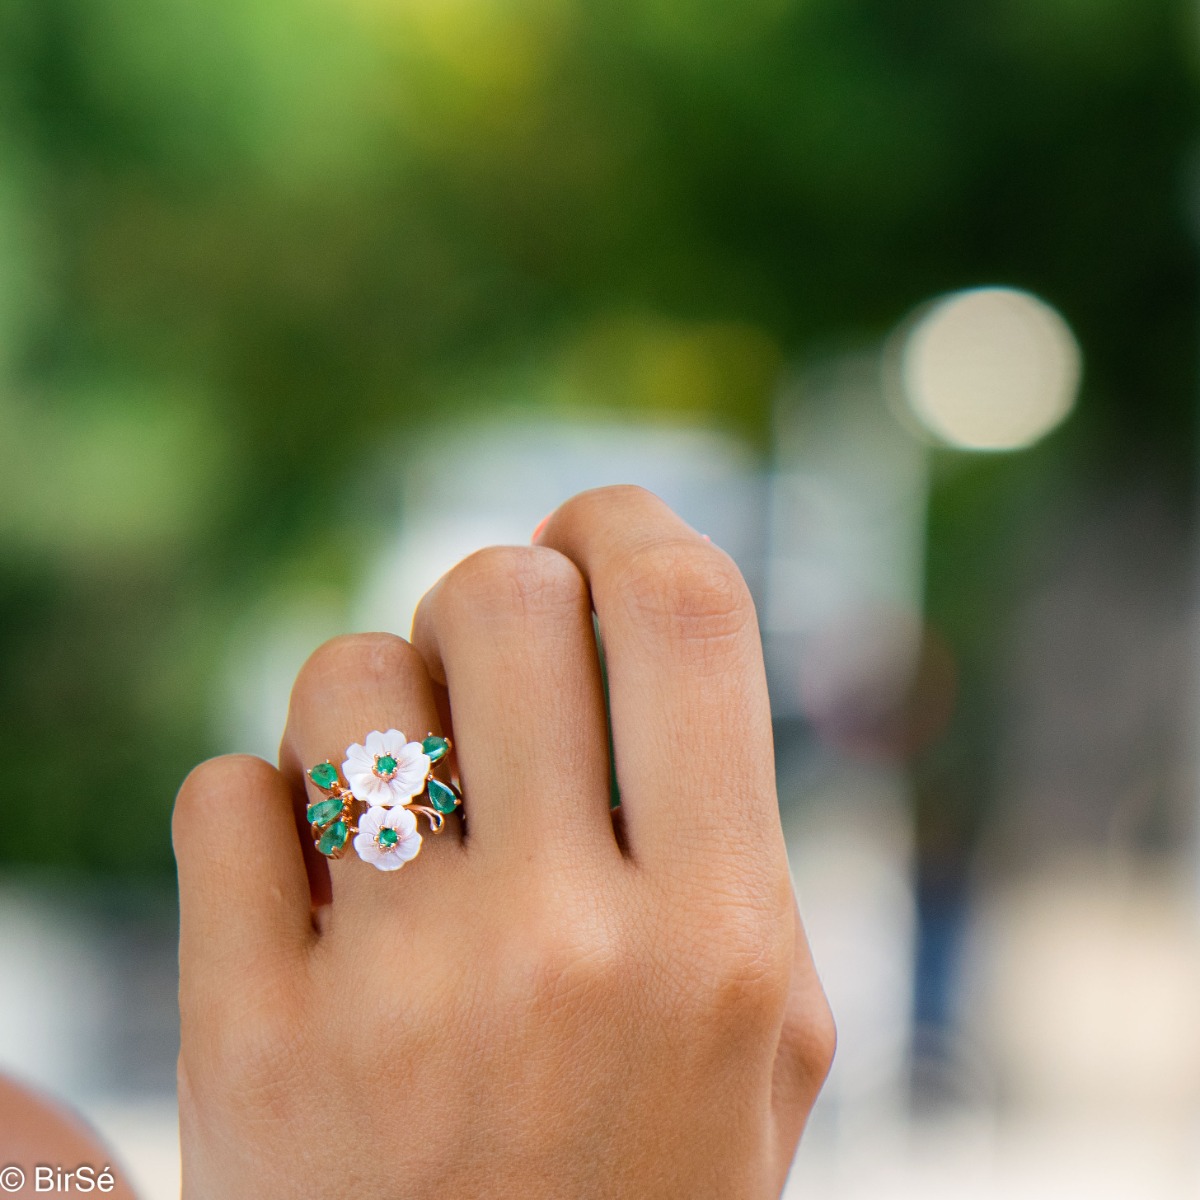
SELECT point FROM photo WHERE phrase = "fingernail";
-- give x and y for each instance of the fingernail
(537, 533)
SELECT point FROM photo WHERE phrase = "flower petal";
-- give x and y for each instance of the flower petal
(374, 743)
(403, 852)
(393, 742)
(402, 821)
(372, 820)
(412, 769)
(393, 860)
(368, 787)
(387, 858)
(357, 758)
(366, 847)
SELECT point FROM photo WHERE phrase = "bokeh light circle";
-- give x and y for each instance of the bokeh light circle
(990, 369)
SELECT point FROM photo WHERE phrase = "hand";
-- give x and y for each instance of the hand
(545, 1002)
(44, 1148)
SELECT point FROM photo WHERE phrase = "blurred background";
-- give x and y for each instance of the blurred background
(301, 302)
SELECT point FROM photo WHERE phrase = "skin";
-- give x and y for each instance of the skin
(546, 1002)
(34, 1129)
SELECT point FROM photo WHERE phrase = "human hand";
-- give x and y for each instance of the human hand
(546, 1002)
(44, 1147)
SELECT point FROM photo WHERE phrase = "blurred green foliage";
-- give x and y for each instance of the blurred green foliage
(240, 239)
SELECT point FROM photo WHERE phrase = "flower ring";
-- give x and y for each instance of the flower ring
(373, 800)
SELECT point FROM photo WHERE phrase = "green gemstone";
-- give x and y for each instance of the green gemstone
(333, 839)
(442, 797)
(436, 747)
(385, 764)
(388, 836)
(325, 776)
(324, 811)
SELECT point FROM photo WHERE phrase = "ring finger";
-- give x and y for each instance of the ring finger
(348, 688)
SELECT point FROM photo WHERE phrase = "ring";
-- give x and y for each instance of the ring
(374, 798)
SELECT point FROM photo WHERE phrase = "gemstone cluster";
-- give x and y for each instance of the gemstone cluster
(374, 800)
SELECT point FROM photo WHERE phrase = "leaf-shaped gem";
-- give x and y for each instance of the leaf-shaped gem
(437, 748)
(442, 796)
(324, 811)
(333, 839)
(325, 776)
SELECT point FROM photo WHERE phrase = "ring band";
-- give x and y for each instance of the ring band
(374, 799)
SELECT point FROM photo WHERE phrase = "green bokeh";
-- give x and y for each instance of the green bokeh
(239, 236)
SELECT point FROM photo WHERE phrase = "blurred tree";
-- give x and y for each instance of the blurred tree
(240, 244)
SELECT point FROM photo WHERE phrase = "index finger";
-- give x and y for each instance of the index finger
(690, 716)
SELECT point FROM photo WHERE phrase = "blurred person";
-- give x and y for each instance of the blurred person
(555, 997)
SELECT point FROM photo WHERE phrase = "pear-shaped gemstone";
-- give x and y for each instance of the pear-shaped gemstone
(333, 839)
(324, 776)
(442, 796)
(324, 811)
(436, 747)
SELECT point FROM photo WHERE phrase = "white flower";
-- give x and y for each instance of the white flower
(387, 770)
(387, 838)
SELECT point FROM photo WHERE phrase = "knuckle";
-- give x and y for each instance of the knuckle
(256, 1060)
(738, 973)
(528, 580)
(808, 1040)
(746, 990)
(751, 989)
(241, 1047)
(371, 657)
(574, 957)
(685, 590)
(569, 973)
(597, 503)
(230, 774)
(817, 1044)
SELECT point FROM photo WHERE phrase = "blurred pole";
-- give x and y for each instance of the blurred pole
(842, 626)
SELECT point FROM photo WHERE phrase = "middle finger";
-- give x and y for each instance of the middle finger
(509, 633)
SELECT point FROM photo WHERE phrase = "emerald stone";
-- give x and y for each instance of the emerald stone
(325, 776)
(435, 747)
(388, 836)
(385, 764)
(442, 797)
(333, 839)
(324, 811)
